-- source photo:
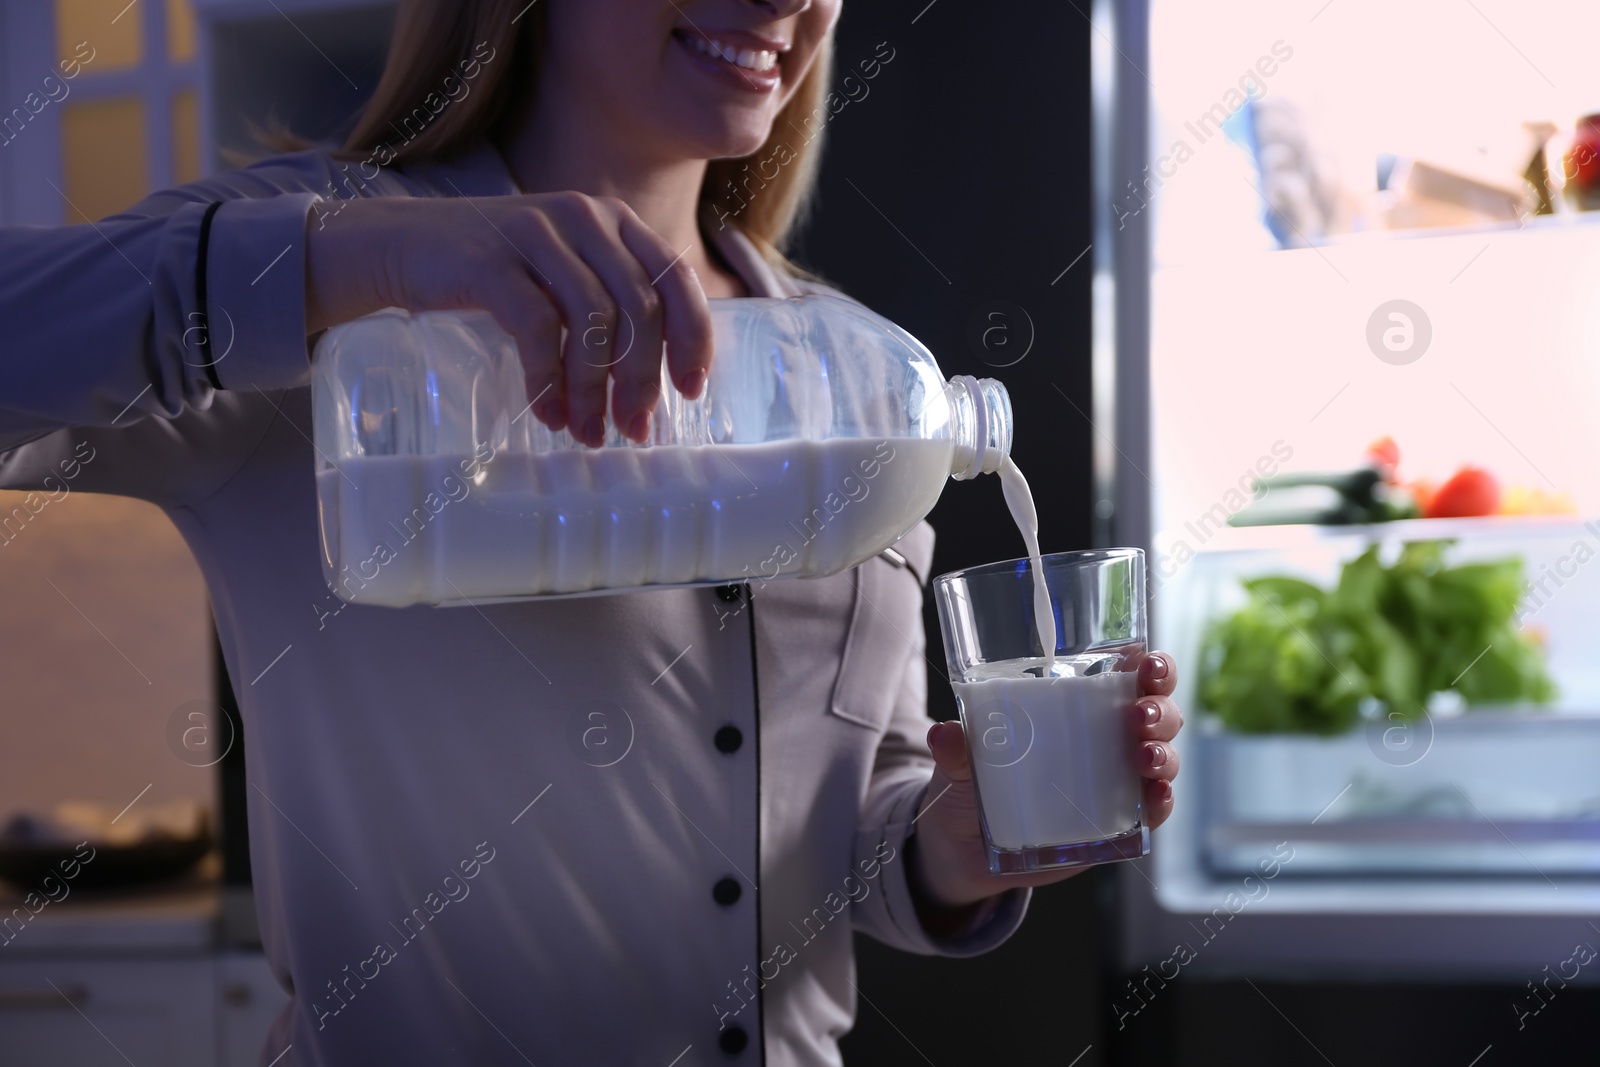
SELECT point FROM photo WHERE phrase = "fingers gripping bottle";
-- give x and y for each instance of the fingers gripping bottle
(823, 434)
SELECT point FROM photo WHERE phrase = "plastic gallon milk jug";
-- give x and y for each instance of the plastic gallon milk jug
(823, 434)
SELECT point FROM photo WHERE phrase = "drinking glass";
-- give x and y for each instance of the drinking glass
(1047, 729)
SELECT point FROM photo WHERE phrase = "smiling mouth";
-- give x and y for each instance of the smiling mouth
(755, 60)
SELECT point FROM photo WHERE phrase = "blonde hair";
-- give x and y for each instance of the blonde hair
(765, 194)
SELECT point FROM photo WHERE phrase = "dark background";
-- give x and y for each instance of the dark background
(960, 186)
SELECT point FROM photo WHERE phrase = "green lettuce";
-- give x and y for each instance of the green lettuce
(1298, 658)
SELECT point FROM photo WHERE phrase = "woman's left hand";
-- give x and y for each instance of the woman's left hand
(950, 864)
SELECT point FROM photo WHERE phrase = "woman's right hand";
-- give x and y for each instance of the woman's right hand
(537, 264)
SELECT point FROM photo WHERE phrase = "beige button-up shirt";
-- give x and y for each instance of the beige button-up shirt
(625, 829)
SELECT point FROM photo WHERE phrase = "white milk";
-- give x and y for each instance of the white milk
(413, 529)
(1019, 499)
(1052, 756)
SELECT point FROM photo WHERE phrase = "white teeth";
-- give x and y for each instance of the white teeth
(748, 58)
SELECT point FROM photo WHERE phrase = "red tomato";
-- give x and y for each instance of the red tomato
(1422, 491)
(1582, 160)
(1385, 455)
(1471, 491)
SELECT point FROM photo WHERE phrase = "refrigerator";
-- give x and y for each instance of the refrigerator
(1318, 225)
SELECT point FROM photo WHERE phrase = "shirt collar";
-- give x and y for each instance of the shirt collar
(482, 171)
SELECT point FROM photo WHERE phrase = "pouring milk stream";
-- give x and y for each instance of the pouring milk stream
(1020, 500)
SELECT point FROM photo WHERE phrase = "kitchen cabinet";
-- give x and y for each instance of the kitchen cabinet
(248, 999)
(62, 1009)
(139, 977)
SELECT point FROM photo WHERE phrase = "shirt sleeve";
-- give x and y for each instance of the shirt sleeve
(900, 778)
(118, 330)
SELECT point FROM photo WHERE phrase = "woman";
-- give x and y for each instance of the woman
(634, 829)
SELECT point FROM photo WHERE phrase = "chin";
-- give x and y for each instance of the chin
(726, 136)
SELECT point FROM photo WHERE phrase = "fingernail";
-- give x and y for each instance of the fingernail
(1152, 712)
(594, 431)
(1163, 789)
(639, 426)
(693, 383)
(1157, 755)
(552, 413)
(1158, 667)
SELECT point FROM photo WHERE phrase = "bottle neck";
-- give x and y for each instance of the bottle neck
(980, 425)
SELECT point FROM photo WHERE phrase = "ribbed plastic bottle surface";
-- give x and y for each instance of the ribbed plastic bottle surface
(824, 434)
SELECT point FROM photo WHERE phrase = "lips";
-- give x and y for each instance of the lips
(739, 59)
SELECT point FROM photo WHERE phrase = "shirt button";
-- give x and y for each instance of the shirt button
(728, 739)
(733, 1039)
(729, 593)
(726, 892)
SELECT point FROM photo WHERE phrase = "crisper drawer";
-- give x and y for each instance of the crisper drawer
(1498, 792)
(144, 1011)
(1489, 793)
